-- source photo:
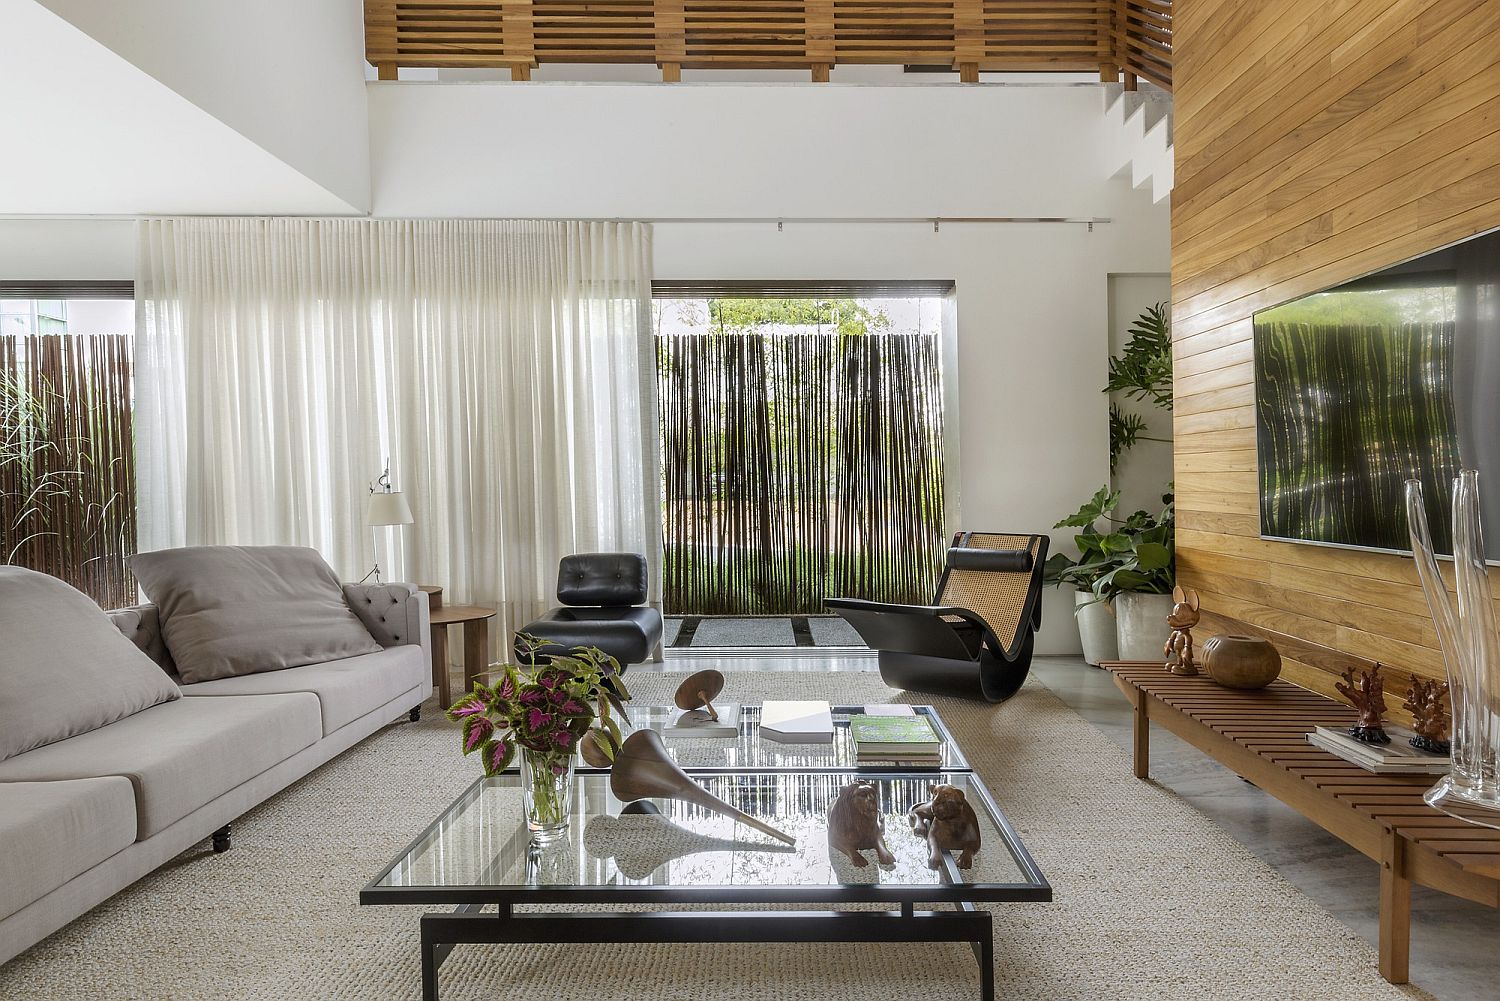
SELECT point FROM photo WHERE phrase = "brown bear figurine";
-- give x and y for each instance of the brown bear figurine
(855, 825)
(946, 821)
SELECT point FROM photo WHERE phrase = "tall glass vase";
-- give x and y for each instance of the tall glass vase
(547, 790)
(1471, 652)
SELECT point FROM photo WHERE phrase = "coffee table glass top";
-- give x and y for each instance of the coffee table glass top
(478, 851)
(751, 750)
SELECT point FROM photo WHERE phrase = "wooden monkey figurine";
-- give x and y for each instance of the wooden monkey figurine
(1368, 699)
(946, 821)
(1183, 617)
(1428, 705)
(855, 825)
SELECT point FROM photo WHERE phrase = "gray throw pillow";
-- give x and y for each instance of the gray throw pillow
(64, 667)
(232, 610)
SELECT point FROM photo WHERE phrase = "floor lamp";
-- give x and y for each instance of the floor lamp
(386, 508)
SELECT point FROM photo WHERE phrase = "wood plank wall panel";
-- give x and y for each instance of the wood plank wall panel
(1315, 143)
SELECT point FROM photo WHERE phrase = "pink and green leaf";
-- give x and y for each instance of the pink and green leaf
(477, 730)
(497, 756)
(466, 706)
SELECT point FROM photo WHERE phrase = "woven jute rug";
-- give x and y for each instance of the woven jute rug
(1152, 900)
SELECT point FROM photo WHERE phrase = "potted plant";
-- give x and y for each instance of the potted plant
(1096, 619)
(1123, 578)
(548, 710)
(1140, 585)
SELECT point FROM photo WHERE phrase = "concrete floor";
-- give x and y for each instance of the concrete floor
(1455, 945)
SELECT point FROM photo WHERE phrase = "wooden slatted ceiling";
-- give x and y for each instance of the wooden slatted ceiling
(601, 31)
(1315, 143)
(1103, 35)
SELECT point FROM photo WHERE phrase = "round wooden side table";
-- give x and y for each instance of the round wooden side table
(476, 622)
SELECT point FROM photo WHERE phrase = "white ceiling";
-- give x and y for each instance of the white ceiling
(87, 132)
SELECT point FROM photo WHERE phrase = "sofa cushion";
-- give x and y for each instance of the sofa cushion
(64, 667)
(180, 755)
(347, 689)
(233, 610)
(53, 831)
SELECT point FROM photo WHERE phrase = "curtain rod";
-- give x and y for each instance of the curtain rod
(933, 221)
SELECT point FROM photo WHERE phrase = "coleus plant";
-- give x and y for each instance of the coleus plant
(554, 705)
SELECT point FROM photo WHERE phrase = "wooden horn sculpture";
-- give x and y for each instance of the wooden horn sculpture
(698, 691)
(643, 769)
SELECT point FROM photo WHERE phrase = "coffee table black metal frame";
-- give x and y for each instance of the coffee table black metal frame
(469, 924)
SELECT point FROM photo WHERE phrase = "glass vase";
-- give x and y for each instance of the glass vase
(547, 789)
(1471, 653)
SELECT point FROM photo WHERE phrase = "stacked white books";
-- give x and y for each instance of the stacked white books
(798, 722)
(1396, 758)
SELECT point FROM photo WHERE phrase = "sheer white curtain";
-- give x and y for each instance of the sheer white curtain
(505, 367)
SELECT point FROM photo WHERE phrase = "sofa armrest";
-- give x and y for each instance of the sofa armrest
(395, 614)
(141, 624)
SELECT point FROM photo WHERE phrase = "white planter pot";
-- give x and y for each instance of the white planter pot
(1096, 628)
(1142, 622)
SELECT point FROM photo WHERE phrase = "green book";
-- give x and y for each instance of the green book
(887, 734)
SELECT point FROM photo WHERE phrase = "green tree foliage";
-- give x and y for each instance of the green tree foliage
(850, 318)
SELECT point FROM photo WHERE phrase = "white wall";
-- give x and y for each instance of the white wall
(579, 149)
(1032, 300)
(1143, 472)
(286, 74)
(67, 249)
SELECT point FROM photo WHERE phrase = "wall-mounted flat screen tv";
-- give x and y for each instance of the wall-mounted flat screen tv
(1389, 377)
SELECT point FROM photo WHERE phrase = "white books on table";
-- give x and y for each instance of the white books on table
(797, 722)
(1396, 758)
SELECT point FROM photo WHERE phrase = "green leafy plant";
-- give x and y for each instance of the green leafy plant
(1132, 555)
(1142, 371)
(1124, 431)
(548, 707)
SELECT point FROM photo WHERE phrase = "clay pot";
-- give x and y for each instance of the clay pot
(1241, 661)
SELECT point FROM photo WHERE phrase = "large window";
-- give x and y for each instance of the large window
(67, 471)
(802, 447)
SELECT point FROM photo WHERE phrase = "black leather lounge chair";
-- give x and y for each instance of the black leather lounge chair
(601, 595)
(977, 635)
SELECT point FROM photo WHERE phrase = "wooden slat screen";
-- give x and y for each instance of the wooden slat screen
(67, 468)
(1110, 36)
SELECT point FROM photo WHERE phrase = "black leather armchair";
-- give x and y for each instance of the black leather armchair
(601, 597)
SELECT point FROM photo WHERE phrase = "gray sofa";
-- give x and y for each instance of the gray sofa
(84, 817)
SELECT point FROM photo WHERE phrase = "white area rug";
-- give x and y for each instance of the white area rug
(1152, 900)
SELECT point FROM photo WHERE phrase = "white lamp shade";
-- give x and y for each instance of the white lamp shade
(388, 508)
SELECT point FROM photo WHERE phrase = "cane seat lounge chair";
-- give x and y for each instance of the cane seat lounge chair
(977, 635)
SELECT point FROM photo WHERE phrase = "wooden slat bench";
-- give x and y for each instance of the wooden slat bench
(1262, 736)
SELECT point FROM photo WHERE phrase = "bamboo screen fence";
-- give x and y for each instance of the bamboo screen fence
(1346, 414)
(67, 477)
(797, 466)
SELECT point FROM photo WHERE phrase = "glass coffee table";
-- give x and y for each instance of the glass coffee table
(666, 852)
(750, 750)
